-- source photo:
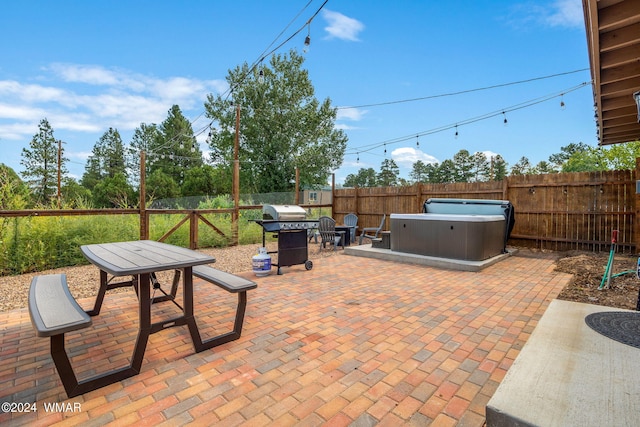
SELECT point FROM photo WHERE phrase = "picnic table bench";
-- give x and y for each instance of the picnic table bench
(54, 311)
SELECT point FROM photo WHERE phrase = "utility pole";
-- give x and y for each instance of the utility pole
(144, 224)
(59, 174)
(297, 187)
(236, 181)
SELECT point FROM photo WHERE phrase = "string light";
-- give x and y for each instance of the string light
(417, 141)
(307, 40)
(526, 104)
(562, 101)
(442, 95)
(505, 118)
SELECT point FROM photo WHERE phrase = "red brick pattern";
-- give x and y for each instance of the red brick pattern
(354, 341)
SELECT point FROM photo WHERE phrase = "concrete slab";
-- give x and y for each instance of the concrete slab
(451, 264)
(569, 375)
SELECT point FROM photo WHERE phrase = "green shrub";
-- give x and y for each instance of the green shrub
(37, 243)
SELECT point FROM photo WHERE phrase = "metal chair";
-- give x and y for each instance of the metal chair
(373, 231)
(351, 221)
(328, 233)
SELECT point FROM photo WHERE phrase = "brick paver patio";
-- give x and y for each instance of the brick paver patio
(354, 341)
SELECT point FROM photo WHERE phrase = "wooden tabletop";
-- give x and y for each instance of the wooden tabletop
(141, 256)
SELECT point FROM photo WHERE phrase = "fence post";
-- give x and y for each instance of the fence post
(333, 193)
(636, 208)
(357, 207)
(505, 188)
(297, 188)
(193, 230)
(144, 219)
(235, 215)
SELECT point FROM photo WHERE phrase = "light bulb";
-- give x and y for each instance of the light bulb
(307, 42)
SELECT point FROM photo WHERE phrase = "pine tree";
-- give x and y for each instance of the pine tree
(389, 173)
(106, 160)
(175, 149)
(41, 164)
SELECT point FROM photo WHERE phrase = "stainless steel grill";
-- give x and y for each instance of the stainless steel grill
(285, 217)
(283, 212)
(291, 226)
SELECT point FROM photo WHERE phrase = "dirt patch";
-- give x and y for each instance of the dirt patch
(83, 280)
(588, 269)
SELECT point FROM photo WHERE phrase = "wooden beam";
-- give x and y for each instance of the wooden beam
(618, 15)
(619, 38)
(618, 102)
(630, 111)
(620, 73)
(620, 87)
(619, 57)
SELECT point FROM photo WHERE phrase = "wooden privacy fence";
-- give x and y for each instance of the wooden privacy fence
(555, 211)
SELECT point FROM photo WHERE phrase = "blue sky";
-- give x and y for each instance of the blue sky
(412, 70)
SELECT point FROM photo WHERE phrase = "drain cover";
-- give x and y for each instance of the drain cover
(621, 326)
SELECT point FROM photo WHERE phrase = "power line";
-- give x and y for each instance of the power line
(462, 91)
(264, 55)
(370, 147)
(255, 63)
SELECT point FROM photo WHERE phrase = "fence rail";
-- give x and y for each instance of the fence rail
(555, 211)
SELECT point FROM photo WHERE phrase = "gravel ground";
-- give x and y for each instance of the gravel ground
(84, 280)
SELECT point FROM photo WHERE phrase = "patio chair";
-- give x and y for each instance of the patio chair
(351, 221)
(372, 232)
(328, 233)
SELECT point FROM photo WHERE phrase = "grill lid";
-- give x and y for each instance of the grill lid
(283, 212)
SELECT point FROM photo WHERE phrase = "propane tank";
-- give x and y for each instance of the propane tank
(262, 263)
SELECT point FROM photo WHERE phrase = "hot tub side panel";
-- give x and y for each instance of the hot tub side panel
(464, 237)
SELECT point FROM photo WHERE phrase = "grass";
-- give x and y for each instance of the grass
(37, 243)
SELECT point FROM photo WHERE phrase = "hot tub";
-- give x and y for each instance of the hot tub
(457, 236)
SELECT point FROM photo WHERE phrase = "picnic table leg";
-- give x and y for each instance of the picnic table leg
(187, 296)
(61, 359)
(104, 287)
(144, 316)
(209, 343)
(100, 297)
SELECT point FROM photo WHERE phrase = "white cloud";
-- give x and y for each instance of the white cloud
(354, 114)
(341, 26)
(407, 156)
(489, 154)
(17, 130)
(342, 126)
(559, 13)
(566, 13)
(10, 89)
(89, 74)
(79, 155)
(20, 112)
(90, 98)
